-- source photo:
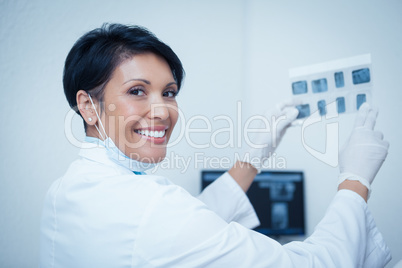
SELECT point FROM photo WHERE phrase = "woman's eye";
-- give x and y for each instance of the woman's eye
(170, 94)
(137, 92)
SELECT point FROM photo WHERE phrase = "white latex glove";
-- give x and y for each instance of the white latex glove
(262, 144)
(365, 151)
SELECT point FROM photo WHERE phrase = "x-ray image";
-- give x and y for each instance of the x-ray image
(340, 105)
(322, 107)
(319, 85)
(299, 87)
(339, 80)
(282, 191)
(279, 215)
(361, 76)
(304, 110)
(360, 99)
(346, 83)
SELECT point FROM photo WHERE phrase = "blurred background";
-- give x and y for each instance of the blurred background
(236, 55)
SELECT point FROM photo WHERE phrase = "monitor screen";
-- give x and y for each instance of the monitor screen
(278, 199)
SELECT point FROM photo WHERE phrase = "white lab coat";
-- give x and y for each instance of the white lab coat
(100, 214)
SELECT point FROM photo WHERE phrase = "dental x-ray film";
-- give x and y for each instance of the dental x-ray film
(332, 88)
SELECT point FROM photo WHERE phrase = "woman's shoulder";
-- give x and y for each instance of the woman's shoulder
(86, 172)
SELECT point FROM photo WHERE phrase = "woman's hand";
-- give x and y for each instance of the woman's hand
(243, 173)
(263, 144)
(364, 152)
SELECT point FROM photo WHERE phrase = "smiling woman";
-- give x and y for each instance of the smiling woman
(141, 107)
(125, 70)
(107, 212)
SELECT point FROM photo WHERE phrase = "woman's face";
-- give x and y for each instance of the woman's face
(140, 107)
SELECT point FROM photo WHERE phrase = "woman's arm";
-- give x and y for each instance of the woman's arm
(243, 173)
(354, 186)
(194, 236)
(226, 196)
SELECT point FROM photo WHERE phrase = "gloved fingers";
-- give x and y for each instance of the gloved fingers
(283, 114)
(368, 136)
(378, 139)
(380, 147)
(288, 103)
(280, 106)
(362, 115)
(371, 119)
(378, 135)
(385, 144)
(291, 114)
(283, 121)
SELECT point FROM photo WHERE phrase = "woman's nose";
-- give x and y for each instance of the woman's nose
(159, 111)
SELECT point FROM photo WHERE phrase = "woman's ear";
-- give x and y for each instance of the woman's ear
(86, 108)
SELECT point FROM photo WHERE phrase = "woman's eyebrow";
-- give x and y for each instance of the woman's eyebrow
(138, 79)
(171, 83)
(147, 82)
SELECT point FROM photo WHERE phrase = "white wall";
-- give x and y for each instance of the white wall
(231, 50)
(286, 34)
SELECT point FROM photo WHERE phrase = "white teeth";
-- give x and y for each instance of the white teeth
(152, 133)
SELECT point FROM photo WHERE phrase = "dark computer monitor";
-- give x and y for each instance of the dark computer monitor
(278, 199)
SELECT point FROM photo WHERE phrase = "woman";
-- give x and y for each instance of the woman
(106, 212)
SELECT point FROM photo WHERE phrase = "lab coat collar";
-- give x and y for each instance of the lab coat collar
(97, 153)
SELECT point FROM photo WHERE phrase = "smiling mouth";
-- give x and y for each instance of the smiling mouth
(151, 133)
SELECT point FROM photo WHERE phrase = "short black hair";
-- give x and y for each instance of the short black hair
(94, 57)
